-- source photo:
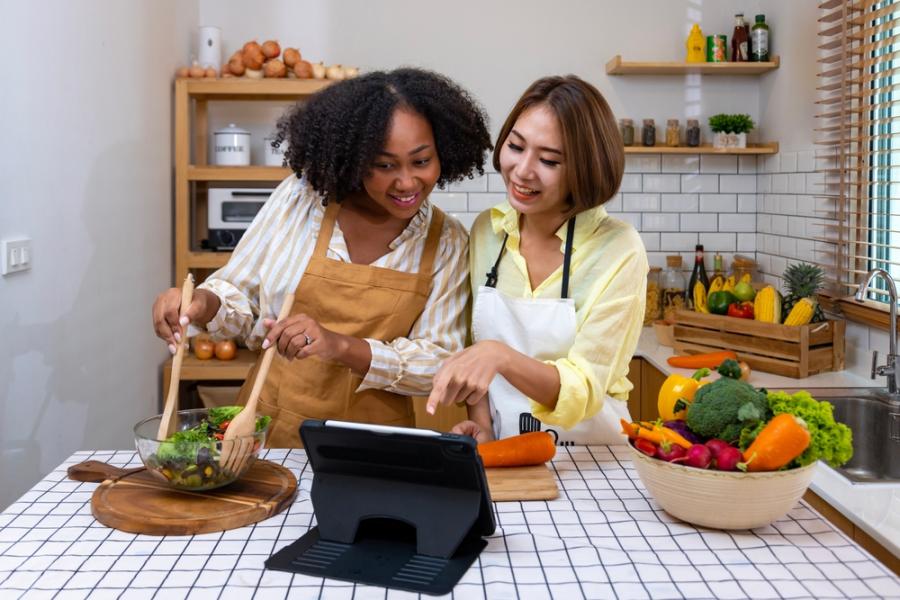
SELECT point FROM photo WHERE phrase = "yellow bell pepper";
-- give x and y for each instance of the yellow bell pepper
(677, 392)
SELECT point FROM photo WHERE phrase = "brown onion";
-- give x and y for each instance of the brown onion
(196, 71)
(274, 68)
(183, 72)
(271, 49)
(211, 72)
(291, 57)
(236, 65)
(253, 58)
(303, 69)
(251, 45)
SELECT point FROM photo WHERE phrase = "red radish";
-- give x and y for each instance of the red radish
(698, 456)
(716, 445)
(645, 446)
(728, 459)
(670, 452)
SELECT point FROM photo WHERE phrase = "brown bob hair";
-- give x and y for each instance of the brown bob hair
(594, 153)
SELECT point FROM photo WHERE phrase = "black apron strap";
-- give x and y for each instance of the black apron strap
(491, 280)
(567, 257)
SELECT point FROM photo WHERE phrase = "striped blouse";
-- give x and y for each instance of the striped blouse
(273, 254)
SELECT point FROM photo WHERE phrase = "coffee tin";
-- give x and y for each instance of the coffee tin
(232, 146)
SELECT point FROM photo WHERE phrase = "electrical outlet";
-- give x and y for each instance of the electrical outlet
(15, 256)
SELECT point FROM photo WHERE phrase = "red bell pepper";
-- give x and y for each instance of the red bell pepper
(741, 310)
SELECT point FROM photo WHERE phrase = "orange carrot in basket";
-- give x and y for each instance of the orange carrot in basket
(532, 448)
(783, 439)
(710, 360)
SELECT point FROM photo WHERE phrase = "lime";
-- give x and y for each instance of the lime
(744, 291)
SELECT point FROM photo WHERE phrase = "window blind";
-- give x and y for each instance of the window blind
(858, 146)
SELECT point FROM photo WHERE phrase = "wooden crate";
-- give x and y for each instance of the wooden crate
(786, 350)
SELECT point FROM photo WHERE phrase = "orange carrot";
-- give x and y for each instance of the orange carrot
(710, 360)
(783, 439)
(532, 448)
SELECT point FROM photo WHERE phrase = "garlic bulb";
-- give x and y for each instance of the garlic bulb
(318, 71)
(334, 72)
(351, 72)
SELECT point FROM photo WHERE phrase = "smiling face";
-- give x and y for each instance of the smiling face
(533, 164)
(407, 169)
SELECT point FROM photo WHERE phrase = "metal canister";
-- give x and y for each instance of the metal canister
(715, 48)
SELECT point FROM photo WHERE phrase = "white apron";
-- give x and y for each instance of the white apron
(544, 329)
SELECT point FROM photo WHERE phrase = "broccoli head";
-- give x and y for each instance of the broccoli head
(724, 407)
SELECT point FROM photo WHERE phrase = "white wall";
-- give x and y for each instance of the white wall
(86, 163)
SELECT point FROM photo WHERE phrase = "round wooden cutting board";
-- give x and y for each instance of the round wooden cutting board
(138, 502)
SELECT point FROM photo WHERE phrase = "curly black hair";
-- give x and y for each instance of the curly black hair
(335, 135)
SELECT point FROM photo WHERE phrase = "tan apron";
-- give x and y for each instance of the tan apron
(352, 299)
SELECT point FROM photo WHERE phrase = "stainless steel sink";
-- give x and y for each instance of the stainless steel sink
(875, 423)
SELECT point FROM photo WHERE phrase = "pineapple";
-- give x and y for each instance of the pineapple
(802, 280)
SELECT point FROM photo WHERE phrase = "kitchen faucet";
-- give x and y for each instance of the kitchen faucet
(890, 369)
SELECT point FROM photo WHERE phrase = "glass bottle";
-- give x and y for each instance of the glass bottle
(698, 274)
(692, 133)
(718, 270)
(626, 126)
(673, 132)
(740, 40)
(653, 309)
(672, 283)
(759, 40)
(648, 133)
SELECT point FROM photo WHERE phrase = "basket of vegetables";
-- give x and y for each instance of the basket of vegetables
(189, 459)
(732, 456)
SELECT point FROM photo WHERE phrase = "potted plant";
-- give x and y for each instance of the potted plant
(730, 131)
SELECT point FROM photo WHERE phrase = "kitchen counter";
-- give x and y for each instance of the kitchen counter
(874, 507)
(604, 537)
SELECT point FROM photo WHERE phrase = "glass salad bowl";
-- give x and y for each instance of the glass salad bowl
(189, 459)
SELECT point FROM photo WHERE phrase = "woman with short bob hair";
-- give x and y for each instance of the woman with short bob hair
(559, 285)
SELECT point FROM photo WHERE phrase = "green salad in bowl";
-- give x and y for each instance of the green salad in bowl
(189, 459)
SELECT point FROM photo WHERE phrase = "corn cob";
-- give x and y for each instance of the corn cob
(716, 284)
(767, 305)
(802, 312)
(746, 278)
(700, 298)
(729, 284)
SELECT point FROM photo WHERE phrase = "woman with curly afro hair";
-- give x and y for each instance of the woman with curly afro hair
(379, 274)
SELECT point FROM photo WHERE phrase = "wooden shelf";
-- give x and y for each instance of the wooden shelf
(617, 66)
(753, 149)
(241, 88)
(207, 259)
(251, 173)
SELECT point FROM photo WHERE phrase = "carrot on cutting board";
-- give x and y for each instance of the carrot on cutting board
(710, 360)
(532, 448)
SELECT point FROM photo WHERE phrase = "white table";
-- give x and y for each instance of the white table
(602, 538)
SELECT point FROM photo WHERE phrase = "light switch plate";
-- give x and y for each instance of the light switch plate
(15, 256)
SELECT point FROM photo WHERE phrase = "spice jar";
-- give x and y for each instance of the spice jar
(743, 265)
(653, 309)
(648, 133)
(693, 133)
(673, 132)
(627, 128)
(672, 283)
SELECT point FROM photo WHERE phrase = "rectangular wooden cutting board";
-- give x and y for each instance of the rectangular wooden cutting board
(509, 484)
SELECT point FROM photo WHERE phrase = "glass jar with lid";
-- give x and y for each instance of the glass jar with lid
(673, 283)
(743, 265)
(626, 126)
(692, 133)
(648, 133)
(673, 133)
(653, 308)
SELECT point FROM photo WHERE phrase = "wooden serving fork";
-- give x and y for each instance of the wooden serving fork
(169, 422)
(237, 444)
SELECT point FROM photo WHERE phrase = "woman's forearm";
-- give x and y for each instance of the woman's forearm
(535, 379)
(354, 353)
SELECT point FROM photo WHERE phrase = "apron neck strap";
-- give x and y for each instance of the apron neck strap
(567, 257)
(326, 228)
(491, 280)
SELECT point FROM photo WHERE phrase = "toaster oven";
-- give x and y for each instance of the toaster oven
(230, 212)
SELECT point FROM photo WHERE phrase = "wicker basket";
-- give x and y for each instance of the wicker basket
(722, 499)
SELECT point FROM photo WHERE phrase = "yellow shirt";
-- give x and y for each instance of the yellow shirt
(607, 281)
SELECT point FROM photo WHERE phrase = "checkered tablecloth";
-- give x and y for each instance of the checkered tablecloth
(604, 537)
